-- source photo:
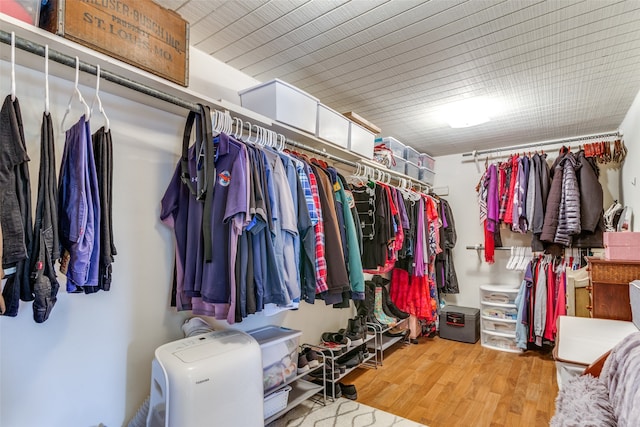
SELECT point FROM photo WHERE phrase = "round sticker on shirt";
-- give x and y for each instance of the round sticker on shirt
(225, 178)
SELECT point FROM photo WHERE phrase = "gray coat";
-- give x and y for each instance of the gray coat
(591, 204)
(552, 210)
(569, 213)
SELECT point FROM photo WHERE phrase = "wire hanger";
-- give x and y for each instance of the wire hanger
(13, 66)
(97, 98)
(76, 93)
(46, 79)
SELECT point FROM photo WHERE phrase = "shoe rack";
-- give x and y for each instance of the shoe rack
(382, 341)
(301, 388)
(335, 368)
(498, 317)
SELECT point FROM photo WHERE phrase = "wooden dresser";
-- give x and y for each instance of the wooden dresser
(609, 287)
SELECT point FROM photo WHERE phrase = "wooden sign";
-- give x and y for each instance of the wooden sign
(138, 32)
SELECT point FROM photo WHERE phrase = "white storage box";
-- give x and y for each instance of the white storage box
(412, 155)
(412, 170)
(396, 147)
(283, 102)
(426, 175)
(279, 348)
(361, 140)
(427, 161)
(332, 126)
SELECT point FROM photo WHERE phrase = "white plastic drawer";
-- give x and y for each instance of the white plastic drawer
(498, 326)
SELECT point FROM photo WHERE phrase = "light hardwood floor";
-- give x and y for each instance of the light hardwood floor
(441, 383)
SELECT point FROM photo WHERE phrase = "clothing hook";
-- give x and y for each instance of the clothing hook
(13, 66)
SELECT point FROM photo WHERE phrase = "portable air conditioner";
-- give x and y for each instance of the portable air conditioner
(214, 379)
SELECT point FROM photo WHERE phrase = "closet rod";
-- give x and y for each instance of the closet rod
(481, 248)
(543, 143)
(69, 61)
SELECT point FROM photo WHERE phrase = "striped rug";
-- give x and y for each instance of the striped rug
(341, 413)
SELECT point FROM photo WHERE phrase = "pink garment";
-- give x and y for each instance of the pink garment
(552, 280)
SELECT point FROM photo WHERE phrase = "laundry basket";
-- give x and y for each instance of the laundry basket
(276, 401)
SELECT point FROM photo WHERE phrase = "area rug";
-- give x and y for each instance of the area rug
(340, 413)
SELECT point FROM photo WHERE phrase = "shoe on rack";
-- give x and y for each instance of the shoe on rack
(337, 338)
(332, 389)
(354, 361)
(348, 391)
(303, 364)
(397, 331)
(312, 357)
(331, 374)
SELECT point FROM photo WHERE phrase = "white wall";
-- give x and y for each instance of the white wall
(630, 128)
(90, 362)
(461, 176)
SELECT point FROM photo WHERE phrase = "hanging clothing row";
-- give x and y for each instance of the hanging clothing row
(540, 300)
(259, 228)
(560, 205)
(72, 220)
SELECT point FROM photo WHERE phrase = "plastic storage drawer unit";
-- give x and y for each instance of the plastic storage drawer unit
(396, 147)
(426, 175)
(412, 170)
(283, 102)
(279, 348)
(427, 161)
(460, 324)
(412, 155)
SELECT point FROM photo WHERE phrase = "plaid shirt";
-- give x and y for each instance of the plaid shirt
(321, 262)
(306, 187)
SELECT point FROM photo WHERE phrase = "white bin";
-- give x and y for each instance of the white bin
(283, 102)
(332, 126)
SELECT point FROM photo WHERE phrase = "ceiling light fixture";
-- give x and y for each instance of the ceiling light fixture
(469, 112)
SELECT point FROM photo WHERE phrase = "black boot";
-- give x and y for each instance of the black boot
(391, 307)
(385, 301)
(369, 301)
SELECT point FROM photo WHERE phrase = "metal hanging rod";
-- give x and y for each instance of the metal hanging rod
(543, 143)
(61, 58)
(70, 61)
(481, 248)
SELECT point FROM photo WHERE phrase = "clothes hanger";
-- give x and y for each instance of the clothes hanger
(238, 128)
(13, 66)
(78, 94)
(283, 141)
(97, 98)
(46, 79)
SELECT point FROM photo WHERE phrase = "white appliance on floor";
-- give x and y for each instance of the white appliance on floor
(214, 379)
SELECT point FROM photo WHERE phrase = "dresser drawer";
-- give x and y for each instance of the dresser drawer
(614, 271)
(611, 301)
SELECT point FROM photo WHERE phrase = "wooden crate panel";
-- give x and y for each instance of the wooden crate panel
(138, 32)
